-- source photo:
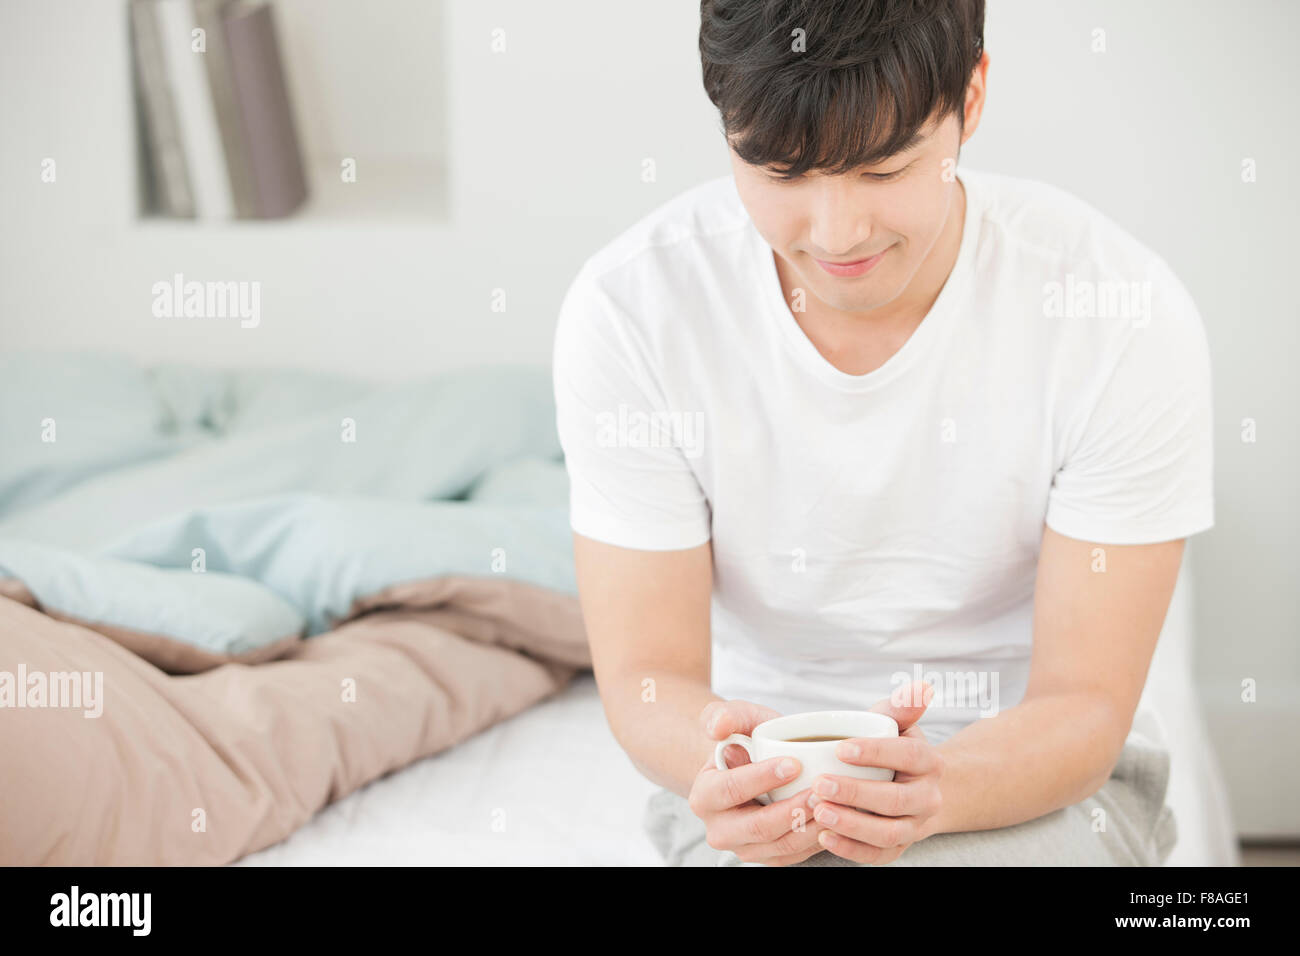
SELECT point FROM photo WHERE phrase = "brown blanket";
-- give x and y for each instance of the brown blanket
(205, 768)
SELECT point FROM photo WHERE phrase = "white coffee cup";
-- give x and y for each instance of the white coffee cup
(772, 738)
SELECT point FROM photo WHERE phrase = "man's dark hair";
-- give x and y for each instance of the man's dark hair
(869, 76)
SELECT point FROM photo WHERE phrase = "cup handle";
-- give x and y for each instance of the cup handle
(720, 757)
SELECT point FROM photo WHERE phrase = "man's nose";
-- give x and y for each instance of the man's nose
(840, 226)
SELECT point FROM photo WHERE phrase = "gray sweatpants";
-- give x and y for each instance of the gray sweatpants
(1134, 827)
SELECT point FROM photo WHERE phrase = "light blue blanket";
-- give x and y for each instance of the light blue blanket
(226, 510)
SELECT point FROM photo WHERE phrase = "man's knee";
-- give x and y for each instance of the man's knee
(1061, 838)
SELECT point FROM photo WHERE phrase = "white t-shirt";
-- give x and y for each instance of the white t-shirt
(868, 529)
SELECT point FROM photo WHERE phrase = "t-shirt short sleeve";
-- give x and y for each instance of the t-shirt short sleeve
(630, 483)
(1138, 467)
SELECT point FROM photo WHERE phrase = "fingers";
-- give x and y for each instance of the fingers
(793, 858)
(717, 790)
(914, 732)
(868, 828)
(907, 703)
(783, 823)
(920, 797)
(776, 835)
(722, 718)
(910, 755)
(918, 693)
(794, 846)
(755, 855)
(849, 849)
(866, 820)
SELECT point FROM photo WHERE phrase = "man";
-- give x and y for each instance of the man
(853, 415)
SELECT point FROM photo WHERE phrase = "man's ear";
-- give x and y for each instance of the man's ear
(976, 92)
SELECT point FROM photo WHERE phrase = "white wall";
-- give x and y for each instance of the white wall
(1153, 132)
(544, 150)
(544, 145)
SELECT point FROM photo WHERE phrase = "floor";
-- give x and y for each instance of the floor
(1260, 854)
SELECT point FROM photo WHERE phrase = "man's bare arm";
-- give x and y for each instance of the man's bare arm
(647, 618)
(1094, 634)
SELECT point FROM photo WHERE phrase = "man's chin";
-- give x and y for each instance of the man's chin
(844, 300)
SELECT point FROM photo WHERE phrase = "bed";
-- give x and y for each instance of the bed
(548, 787)
(185, 512)
(551, 787)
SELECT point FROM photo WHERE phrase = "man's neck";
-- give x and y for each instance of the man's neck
(857, 343)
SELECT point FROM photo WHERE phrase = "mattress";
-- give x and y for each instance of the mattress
(548, 787)
(552, 787)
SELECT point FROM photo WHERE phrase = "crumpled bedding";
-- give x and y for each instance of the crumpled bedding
(289, 584)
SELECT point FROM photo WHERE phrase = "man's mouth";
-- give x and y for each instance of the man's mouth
(850, 268)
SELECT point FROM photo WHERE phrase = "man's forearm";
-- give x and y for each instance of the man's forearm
(658, 724)
(1045, 753)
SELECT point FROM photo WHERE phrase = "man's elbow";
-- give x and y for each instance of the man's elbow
(1109, 732)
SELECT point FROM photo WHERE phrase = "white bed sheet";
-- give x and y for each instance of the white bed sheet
(551, 787)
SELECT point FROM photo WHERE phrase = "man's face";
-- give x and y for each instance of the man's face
(890, 214)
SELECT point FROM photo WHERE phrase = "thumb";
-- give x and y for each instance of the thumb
(722, 718)
(907, 703)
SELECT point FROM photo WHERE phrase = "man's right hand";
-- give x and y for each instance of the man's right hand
(778, 834)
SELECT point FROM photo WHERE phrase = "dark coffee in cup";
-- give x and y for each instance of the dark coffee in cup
(812, 740)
